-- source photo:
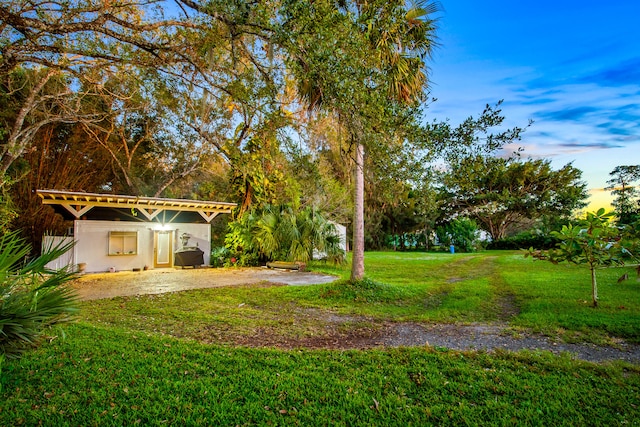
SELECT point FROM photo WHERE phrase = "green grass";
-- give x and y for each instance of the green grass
(417, 286)
(485, 287)
(553, 299)
(558, 297)
(113, 376)
(172, 359)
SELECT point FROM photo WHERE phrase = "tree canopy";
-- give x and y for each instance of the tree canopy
(314, 105)
(81, 43)
(500, 193)
(626, 195)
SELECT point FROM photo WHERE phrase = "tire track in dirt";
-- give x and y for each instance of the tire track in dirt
(504, 304)
(505, 301)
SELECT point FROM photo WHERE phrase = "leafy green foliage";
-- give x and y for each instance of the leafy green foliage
(32, 297)
(525, 239)
(258, 165)
(630, 241)
(500, 193)
(219, 256)
(481, 136)
(7, 212)
(592, 241)
(463, 233)
(320, 171)
(279, 233)
(627, 196)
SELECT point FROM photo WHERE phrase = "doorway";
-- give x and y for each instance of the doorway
(162, 249)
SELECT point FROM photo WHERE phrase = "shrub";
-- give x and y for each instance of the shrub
(463, 233)
(279, 233)
(219, 256)
(32, 297)
(525, 240)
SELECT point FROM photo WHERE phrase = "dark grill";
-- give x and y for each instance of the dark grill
(190, 256)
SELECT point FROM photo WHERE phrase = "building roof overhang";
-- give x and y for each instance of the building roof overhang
(78, 205)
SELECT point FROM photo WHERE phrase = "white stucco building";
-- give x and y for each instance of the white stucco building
(116, 232)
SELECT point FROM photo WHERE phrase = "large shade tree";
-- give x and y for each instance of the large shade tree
(81, 42)
(206, 63)
(500, 193)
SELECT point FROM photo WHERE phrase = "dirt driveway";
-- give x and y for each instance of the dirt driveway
(390, 334)
(127, 283)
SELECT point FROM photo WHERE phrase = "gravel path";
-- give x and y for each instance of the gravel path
(501, 337)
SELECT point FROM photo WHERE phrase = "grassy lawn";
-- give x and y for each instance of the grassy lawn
(172, 360)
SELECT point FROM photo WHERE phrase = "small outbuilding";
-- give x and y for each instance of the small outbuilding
(117, 232)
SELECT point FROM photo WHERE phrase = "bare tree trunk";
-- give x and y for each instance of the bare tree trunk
(357, 266)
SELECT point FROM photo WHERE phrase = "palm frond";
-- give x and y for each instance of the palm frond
(284, 234)
(32, 297)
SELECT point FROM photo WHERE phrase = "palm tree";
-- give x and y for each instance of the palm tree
(371, 73)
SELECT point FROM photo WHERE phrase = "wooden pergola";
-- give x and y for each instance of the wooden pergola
(113, 206)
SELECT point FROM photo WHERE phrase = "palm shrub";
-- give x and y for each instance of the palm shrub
(32, 297)
(282, 233)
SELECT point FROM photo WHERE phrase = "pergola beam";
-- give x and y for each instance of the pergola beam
(208, 216)
(78, 210)
(78, 204)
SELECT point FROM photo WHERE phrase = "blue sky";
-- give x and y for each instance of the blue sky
(573, 67)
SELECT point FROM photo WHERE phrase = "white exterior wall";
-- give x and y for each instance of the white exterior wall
(92, 247)
(66, 259)
(342, 232)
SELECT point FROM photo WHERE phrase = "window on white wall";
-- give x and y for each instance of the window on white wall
(123, 242)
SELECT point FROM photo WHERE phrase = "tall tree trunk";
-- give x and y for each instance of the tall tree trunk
(357, 267)
(594, 286)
